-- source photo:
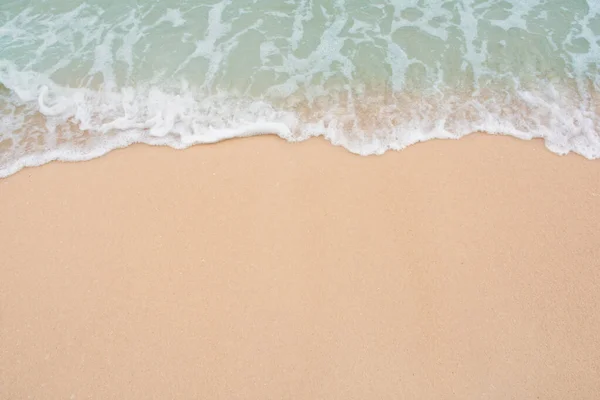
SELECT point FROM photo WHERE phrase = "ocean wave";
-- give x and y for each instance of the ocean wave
(77, 81)
(42, 121)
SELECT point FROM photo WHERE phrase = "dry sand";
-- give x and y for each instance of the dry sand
(259, 269)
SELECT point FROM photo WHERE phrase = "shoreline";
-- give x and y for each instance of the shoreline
(260, 268)
(99, 153)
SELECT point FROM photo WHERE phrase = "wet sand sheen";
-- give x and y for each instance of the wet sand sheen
(257, 268)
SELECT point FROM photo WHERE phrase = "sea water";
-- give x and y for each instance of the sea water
(80, 78)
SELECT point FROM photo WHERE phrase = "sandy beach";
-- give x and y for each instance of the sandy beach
(261, 269)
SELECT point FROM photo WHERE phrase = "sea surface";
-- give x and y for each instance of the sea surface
(80, 78)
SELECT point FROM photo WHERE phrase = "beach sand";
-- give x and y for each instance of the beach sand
(261, 269)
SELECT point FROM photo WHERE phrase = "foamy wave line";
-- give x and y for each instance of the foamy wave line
(66, 124)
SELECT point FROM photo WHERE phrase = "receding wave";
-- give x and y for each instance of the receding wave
(79, 81)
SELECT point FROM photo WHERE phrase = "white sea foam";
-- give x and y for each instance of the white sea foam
(80, 81)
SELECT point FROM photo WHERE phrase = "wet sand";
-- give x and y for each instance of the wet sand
(260, 269)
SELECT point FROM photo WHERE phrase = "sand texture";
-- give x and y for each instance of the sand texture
(260, 269)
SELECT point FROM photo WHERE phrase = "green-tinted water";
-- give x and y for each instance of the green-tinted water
(367, 76)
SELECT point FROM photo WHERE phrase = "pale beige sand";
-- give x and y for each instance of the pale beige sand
(259, 269)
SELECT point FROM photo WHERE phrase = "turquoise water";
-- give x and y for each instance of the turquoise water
(78, 79)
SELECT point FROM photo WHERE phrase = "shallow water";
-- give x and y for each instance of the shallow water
(79, 79)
